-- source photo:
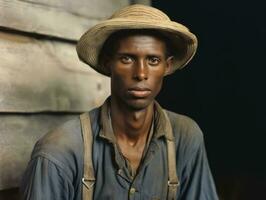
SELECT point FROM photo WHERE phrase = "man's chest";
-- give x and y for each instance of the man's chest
(132, 153)
(115, 181)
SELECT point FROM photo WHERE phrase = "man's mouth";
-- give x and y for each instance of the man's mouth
(139, 92)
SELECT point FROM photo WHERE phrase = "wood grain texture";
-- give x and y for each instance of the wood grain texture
(18, 135)
(63, 18)
(96, 9)
(42, 75)
(144, 2)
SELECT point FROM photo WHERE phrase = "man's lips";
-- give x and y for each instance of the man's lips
(139, 92)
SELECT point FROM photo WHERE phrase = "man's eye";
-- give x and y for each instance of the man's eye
(154, 61)
(126, 59)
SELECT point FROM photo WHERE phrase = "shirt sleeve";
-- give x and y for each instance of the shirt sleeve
(45, 179)
(197, 182)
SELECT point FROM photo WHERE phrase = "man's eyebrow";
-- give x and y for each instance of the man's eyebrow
(155, 55)
(125, 54)
(133, 55)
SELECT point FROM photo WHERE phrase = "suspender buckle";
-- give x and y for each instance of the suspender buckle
(173, 183)
(84, 180)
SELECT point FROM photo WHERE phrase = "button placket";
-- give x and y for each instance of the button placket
(149, 154)
(132, 191)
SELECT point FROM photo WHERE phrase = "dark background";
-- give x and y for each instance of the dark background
(223, 89)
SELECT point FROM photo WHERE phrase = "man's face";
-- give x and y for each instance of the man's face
(137, 70)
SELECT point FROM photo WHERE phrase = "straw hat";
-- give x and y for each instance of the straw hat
(137, 17)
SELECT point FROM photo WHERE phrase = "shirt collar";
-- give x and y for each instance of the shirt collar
(161, 127)
(105, 119)
(162, 123)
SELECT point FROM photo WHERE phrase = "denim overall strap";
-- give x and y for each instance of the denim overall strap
(88, 179)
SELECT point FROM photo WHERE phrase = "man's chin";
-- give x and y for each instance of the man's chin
(139, 104)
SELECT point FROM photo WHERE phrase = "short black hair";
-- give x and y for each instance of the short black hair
(111, 44)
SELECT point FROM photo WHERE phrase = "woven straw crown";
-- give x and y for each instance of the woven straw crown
(140, 12)
(137, 17)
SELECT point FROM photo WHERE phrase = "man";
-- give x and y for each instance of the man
(133, 149)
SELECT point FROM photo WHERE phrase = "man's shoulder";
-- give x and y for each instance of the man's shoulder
(186, 131)
(64, 132)
(62, 148)
(182, 121)
(67, 137)
(62, 143)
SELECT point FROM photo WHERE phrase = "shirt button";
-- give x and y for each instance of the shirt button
(119, 171)
(132, 190)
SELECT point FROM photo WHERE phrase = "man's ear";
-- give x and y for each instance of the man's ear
(169, 65)
(106, 64)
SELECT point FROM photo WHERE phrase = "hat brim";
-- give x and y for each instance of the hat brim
(91, 42)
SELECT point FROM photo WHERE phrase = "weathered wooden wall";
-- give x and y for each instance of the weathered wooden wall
(66, 19)
(39, 75)
(43, 75)
(42, 82)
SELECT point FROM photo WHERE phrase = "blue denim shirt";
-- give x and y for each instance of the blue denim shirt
(56, 167)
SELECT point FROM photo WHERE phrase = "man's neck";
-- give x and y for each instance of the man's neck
(131, 126)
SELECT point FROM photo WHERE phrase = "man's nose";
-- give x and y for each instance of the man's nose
(141, 70)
